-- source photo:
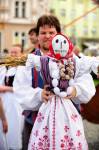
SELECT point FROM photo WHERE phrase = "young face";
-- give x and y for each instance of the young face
(45, 34)
(33, 38)
(15, 51)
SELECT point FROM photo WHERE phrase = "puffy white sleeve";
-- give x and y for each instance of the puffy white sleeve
(83, 82)
(25, 94)
(89, 64)
(33, 61)
(85, 88)
(2, 74)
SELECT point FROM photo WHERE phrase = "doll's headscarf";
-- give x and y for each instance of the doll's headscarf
(61, 47)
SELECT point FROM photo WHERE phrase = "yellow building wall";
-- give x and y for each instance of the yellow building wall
(87, 26)
(8, 31)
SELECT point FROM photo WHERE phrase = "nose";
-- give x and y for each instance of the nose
(61, 45)
(48, 35)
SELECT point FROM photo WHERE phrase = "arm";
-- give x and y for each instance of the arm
(2, 74)
(3, 118)
(33, 61)
(28, 97)
(83, 86)
(85, 89)
(4, 89)
(95, 66)
(82, 90)
(89, 64)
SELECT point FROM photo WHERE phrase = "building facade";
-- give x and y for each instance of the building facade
(16, 18)
(84, 27)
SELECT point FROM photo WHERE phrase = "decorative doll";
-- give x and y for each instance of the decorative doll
(58, 125)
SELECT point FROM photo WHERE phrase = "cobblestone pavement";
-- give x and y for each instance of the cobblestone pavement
(92, 134)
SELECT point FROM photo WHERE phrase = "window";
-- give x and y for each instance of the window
(63, 12)
(16, 38)
(23, 40)
(73, 13)
(94, 15)
(52, 11)
(17, 9)
(23, 9)
(94, 31)
(20, 38)
(85, 30)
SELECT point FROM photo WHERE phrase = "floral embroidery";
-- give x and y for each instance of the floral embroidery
(36, 133)
(78, 133)
(43, 144)
(33, 147)
(79, 147)
(74, 117)
(46, 129)
(66, 128)
(67, 143)
(40, 117)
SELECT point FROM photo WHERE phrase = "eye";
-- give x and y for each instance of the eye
(57, 40)
(64, 41)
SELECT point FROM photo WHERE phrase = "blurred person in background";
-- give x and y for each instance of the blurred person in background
(33, 39)
(12, 108)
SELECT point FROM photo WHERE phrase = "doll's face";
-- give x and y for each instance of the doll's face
(60, 45)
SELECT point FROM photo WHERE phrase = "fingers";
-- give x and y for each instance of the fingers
(45, 86)
(72, 95)
(69, 97)
(45, 95)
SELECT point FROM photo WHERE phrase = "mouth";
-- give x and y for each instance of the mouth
(61, 50)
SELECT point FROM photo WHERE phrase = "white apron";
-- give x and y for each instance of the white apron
(58, 127)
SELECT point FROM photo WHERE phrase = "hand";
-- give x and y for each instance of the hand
(5, 125)
(46, 94)
(4, 88)
(73, 93)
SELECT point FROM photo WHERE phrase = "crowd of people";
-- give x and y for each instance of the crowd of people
(24, 95)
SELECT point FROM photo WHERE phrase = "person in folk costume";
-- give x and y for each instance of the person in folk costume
(29, 86)
(58, 124)
(12, 108)
(3, 127)
(28, 83)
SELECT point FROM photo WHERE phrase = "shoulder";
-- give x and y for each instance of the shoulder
(2, 68)
(22, 70)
